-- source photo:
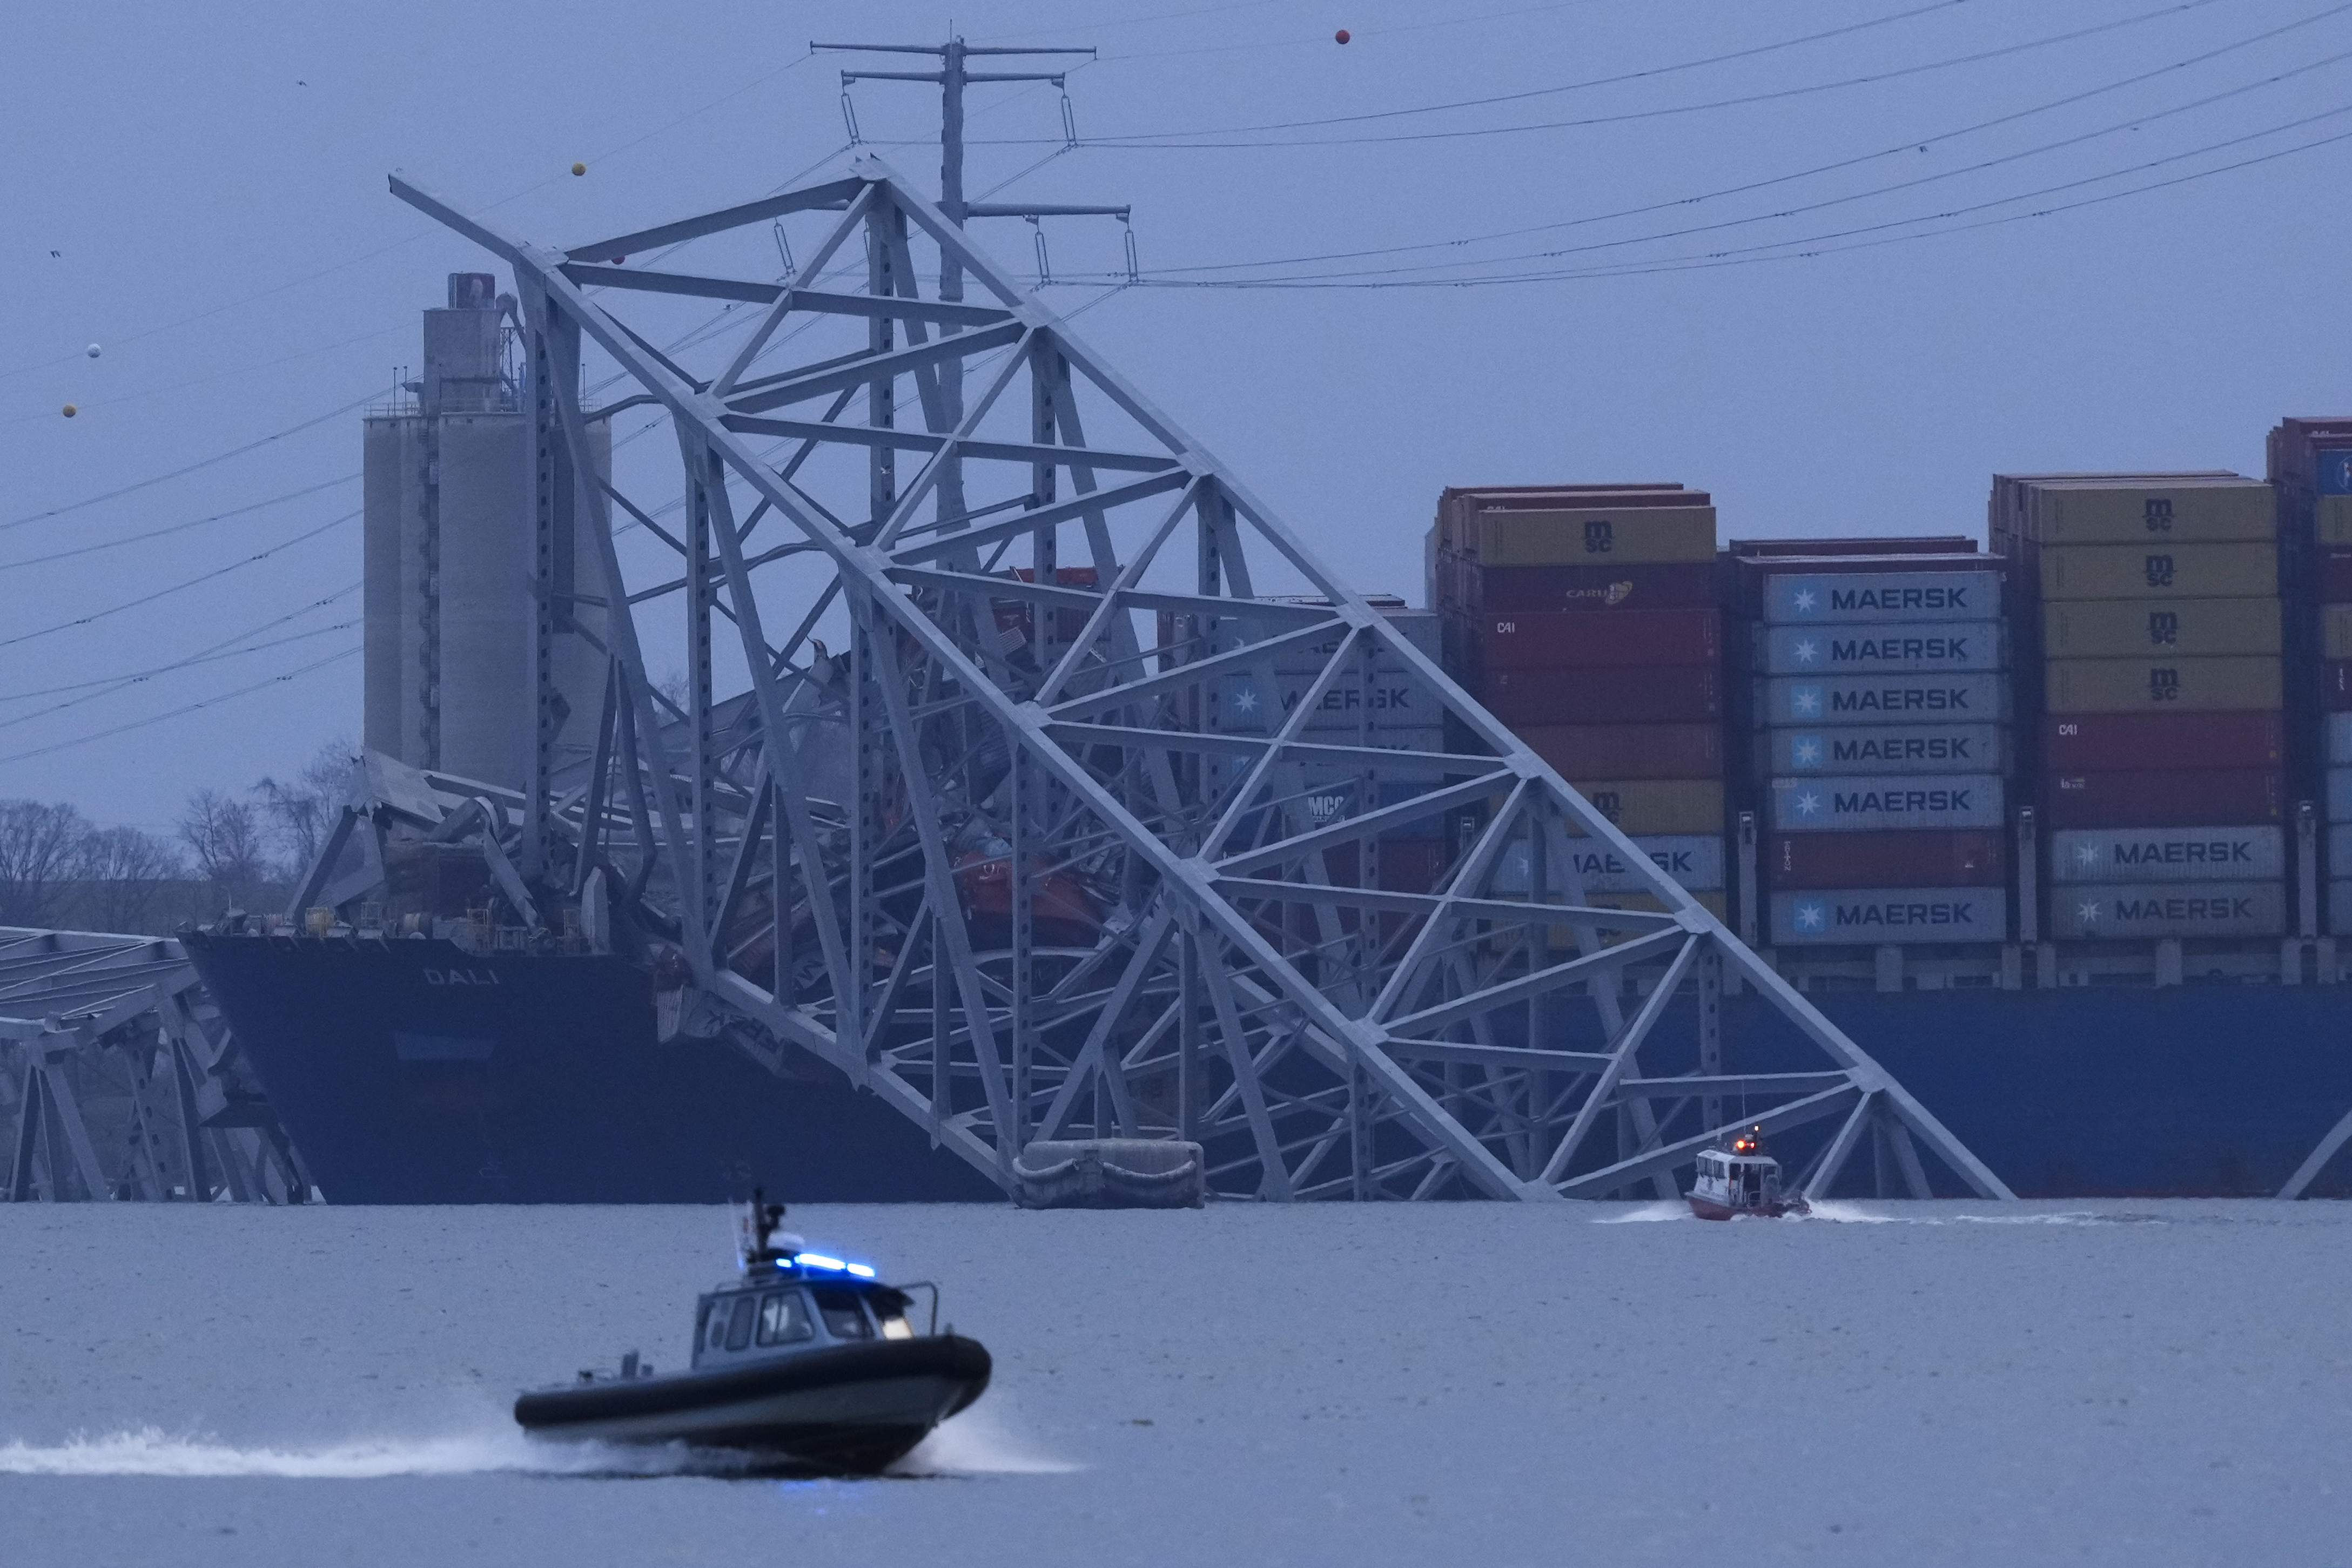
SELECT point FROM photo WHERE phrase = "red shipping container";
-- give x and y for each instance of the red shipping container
(1688, 586)
(2161, 742)
(1630, 750)
(2188, 798)
(1955, 858)
(1577, 639)
(1689, 694)
(2335, 577)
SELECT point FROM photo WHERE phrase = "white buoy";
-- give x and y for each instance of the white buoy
(92, 351)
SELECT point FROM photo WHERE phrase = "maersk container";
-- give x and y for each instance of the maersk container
(2166, 854)
(1962, 858)
(2153, 742)
(1628, 750)
(2339, 794)
(1887, 748)
(1870, 918)
(1645, 807)
(1395, 701)
(1806, 701)
(2188, 798)
(2091, 912)
(1534, 640)
(1694, 860)
(2166, 572)
(1880, 804)
(1688, 694)
(1881, 597)
(1929, 648)
(2185, 628)
(1592, 536)
(1628, 590)
(2161, 685)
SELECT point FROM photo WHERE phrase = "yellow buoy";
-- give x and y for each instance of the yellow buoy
(580, 168)
(71, 410)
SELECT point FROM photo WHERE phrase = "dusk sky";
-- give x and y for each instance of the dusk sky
(1836, 261)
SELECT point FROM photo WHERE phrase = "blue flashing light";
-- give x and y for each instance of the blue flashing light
(861, 1270)
(818, 1260)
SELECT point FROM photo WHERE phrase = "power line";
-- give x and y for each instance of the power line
(179, 587)
(178, 528)
(121, 683)
(181, 712)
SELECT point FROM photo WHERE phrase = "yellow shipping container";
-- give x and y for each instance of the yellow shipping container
(2160, 685)
(2167, 571)
(2334, 518)
(2336, 631)
(1635, 536)
(2087, 514)
(2179, 628)
(1640, 805)
(1562, 937)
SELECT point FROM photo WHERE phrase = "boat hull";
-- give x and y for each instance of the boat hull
(1705, 1209)
(844, 1410)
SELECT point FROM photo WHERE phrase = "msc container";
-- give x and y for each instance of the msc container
(1530, 639)
(1687, 694)
(1643, 806)
(1591, 536)
(2189, 798)
(1694, 860)
(2166, 854)
(2191, 910)
(2161, 685)
(1806, 701)
(1937, 647)
(2335, 685)
(1627, 589)
(1966, 858)
(2149, 742)
(1630, 750)
(2170, 572)
(2090, 513)
(1885, 805)
(1887, 748)
(2336, 629)
(1876, 916)
(1880, 597)
(2189, 628)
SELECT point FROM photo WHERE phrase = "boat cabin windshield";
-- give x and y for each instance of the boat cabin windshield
(735, 1323)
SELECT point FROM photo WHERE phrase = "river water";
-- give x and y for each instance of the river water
(1911, 1383)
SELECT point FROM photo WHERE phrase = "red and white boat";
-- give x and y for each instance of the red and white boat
(1740, 1179)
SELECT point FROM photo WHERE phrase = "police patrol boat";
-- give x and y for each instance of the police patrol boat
(1741, 1178)
(807, 1364)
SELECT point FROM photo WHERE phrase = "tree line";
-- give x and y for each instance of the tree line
(226, 850)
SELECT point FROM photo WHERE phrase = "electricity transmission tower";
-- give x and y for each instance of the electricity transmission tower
(1037, 854)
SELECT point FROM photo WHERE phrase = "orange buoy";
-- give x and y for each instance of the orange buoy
(580, 168)
(1340, 36)
(71, 410)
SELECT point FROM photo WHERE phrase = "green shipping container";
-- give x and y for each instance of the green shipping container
(2183, 628)
(2232, 513)
(2159, 571)
(1646, 806)
(1635, 536)
(2160, 685)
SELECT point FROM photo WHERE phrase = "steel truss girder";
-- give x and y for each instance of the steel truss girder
(1241, 972)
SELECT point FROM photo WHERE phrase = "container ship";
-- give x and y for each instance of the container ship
(2057, 826)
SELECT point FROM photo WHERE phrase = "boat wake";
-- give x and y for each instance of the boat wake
(1648, 1214)
(959, 1448)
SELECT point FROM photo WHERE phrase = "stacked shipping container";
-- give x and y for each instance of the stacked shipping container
(2311, 470)
(1587, 619)
(1881, 744)
(2155, 682)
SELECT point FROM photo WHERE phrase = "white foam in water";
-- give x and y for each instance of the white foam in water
(1648, 1214)
(976, 1443)
(153, 1452)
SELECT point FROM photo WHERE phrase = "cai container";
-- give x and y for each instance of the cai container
(2185, 628)
(1879, 803)
(1592, 536)
(2188, 797)
(1976, 857)
(2160, 685)
(1927, 648)
(1642, 807)
(1870, 918)
(1807, 700)
(2168, 854)
(1879, 598)
(1618, 589)
(1574, 639)
(2091, 910)
(1695, 860)
(1684, 694)
(2159, 571)
(1886, 748)
(1628, 750)
(2150, 742)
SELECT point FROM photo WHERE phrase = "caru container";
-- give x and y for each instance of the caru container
(2166, 854)
(1617, 586)
(1870, 917)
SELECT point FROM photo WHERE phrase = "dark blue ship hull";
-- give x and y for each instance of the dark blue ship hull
(413, 1071)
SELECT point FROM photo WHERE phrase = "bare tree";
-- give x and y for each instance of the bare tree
(38, 844)
(121, 870)
(225, 834)
(300, 813)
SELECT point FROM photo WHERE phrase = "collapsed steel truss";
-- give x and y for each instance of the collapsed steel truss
(1039, 855)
